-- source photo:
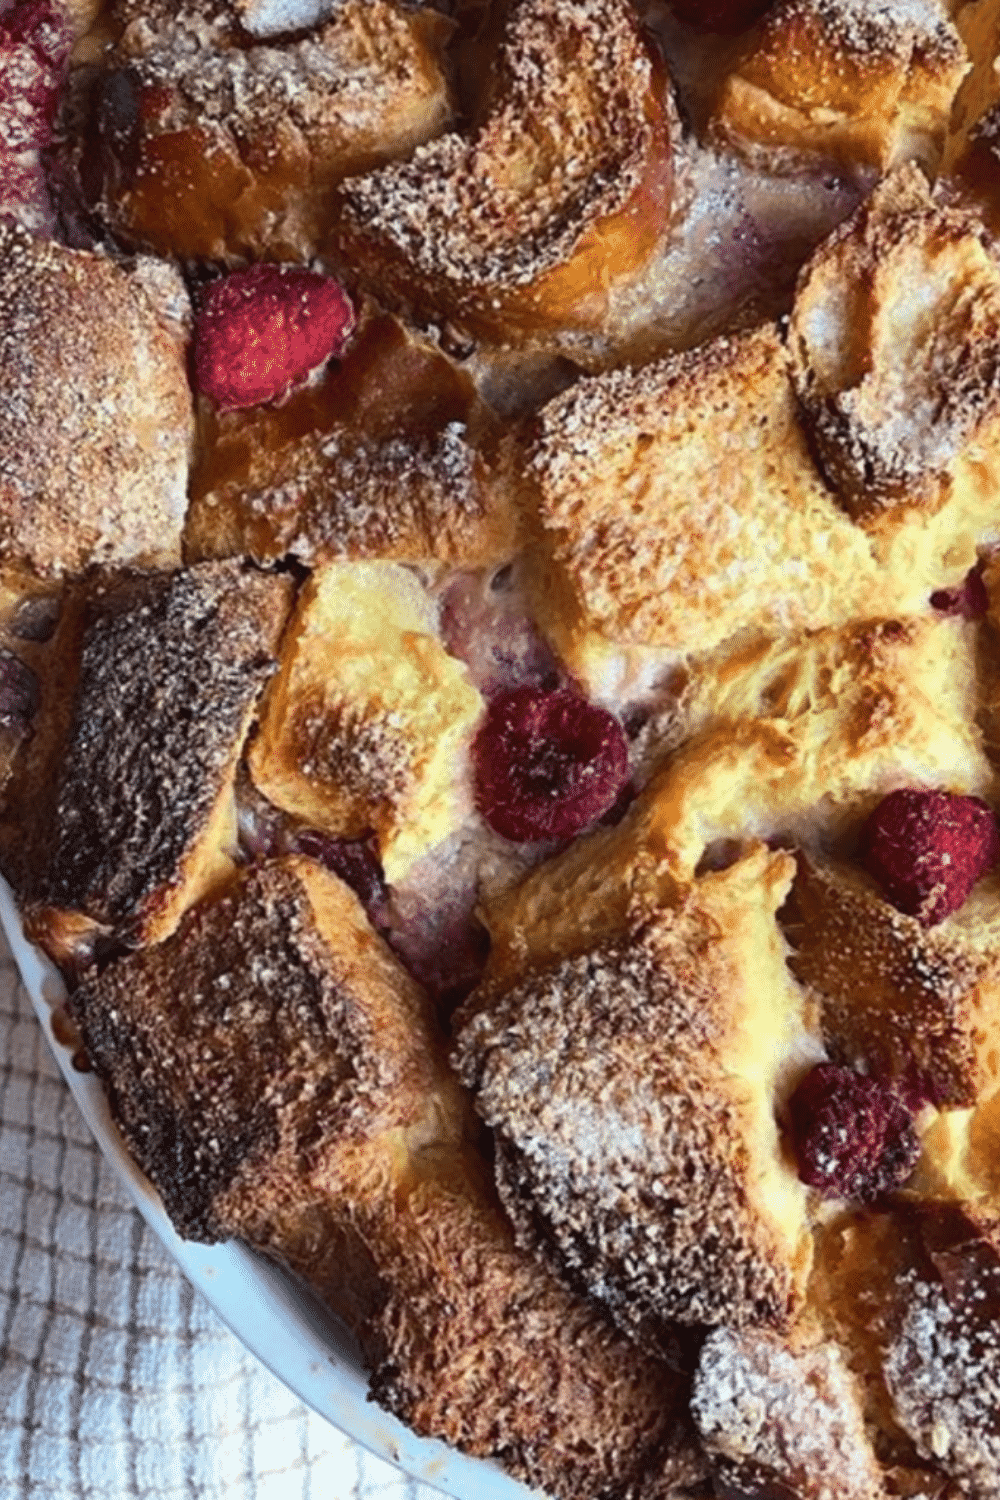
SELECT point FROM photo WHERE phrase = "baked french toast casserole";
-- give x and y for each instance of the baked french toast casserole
(500, 695)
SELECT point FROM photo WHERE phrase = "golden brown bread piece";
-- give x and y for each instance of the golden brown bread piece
(978, 24)
(384, 458)
(209, 143)
(911, 1292)
(632, 1088)
(277, 1074)
(772, 1415)
(368, 723)
(896, 997)
(851, 83)
(135, 816)
(902, 391)
(680, 503)
(803, 736)
(562, 188)
(96, 420)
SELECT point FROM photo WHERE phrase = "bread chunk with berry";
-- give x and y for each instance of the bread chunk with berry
(851, 84)
(96, 419)
(278, 1075)
(388, 456)
(561, 189)
(209, 142)
(919, 1003)
(894, 339)
(368, 722)
(133, 787)
(632, 1085)
(801, 738)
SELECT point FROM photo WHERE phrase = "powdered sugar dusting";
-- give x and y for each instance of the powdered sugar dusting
(798, 1416)
(943, 1371)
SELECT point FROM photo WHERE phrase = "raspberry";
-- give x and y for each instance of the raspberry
(928, 849)
(719, 15)
(263, 331)
(35, 43)
(547, 764)
(853, 1137)
(971, 601)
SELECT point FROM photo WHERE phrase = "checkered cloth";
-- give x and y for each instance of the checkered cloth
(116, 1379)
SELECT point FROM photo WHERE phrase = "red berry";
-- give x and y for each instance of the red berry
(719, 15)
(263, 331)
(547, 764)
(853, 1137)
(971, 601)
(35, 43)
(928, 849)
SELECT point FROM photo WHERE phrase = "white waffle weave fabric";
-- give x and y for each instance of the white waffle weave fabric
(117, 1380)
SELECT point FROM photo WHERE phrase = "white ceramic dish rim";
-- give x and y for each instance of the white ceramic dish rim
(272, 1314)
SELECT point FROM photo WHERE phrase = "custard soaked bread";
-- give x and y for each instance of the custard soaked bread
(851, 83)
(329, 1119)
(531, 865)
(209, 141)
(392, 453)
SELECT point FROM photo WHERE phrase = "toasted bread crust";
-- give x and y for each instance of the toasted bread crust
(635, 1143)
(96, 421)
(894, 392)
(209, 147)
(276, 1073)
(721, 487)
(850, 82)
(772, 1415)
(142, 816)
(563, 188)
(384, 458)
(895, 996)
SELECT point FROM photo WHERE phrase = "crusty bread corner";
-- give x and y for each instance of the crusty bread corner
(271, 1028)
(632, 1088)
(902, 394)
(368, 722)
(479, 1345)
(277, 1074)
(96, 419)
(562, 189)
(391, 456)
(846, 83)
(206, 147)
(136, 817)
(894, 996)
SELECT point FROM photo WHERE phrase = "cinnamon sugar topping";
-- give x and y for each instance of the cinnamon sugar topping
(565, 145)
